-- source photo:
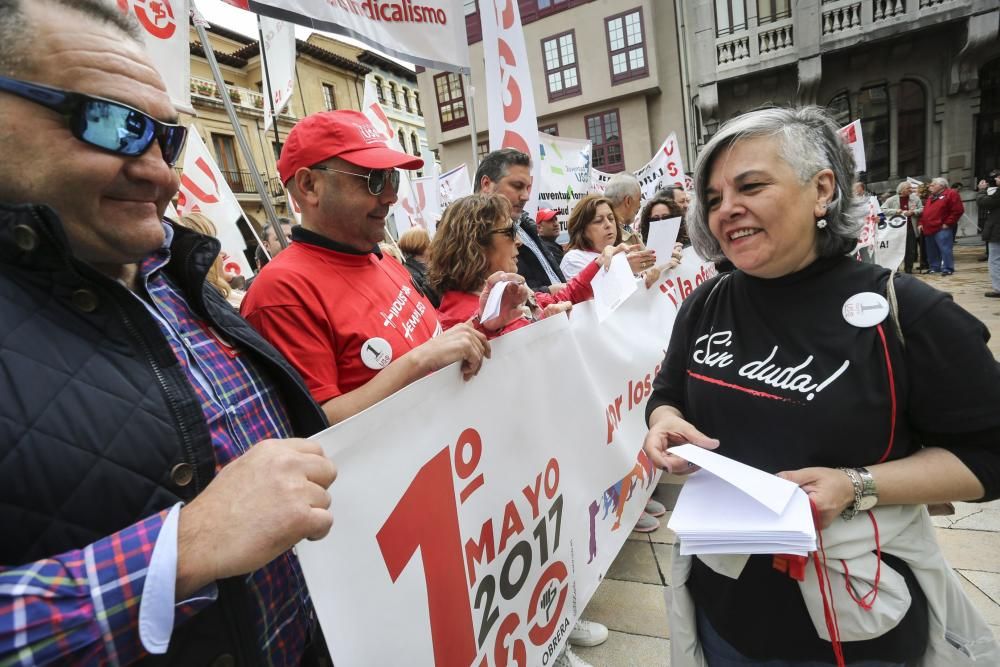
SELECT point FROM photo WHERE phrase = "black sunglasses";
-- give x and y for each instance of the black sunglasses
(105, 124)
(377, 178)
(510, 231)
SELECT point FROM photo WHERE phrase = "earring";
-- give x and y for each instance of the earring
(821, 223)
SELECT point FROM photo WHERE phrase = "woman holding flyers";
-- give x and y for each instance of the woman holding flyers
(797, 364)
(592, 228)
(475, 240)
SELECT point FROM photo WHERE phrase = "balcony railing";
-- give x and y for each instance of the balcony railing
(242, 183)
(243, 98)
(763, 43)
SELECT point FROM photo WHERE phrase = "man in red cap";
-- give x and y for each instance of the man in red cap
(548, 232)
(350, 320)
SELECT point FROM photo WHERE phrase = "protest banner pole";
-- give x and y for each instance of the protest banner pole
(472, 126)
(274, 113)
(213, 64)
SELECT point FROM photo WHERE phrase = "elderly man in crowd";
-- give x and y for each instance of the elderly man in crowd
(941, 214)
(150, 492)
(347, 317)
(271, 243)
(508, 172)
(678, 194)
(988, 200)
(626, 199)
(907, 204)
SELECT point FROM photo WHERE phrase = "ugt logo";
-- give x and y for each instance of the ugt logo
(156, 16)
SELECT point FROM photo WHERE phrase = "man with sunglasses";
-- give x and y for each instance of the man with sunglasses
(149, 488)
(349, 319)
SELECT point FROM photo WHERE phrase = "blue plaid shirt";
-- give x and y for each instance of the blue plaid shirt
(82, 606)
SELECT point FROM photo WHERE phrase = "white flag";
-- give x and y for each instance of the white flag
(204, 190)
(565, 173)
(454, 184)
(279, 49)
(666, 167)
(430, 33)
(856, 142)
(510, 101)
(165, 25)
(421, 204)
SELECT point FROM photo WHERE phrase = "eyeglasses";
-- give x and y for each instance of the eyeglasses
(377, 178)
(510, 231)
(105, 124)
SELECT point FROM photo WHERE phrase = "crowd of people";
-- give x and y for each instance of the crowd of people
(156, 473)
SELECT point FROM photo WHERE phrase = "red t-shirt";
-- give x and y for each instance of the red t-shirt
(338, 318)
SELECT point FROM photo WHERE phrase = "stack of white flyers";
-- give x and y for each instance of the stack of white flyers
(728, 507)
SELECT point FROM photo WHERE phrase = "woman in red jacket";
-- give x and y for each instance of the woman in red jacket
(477, 238)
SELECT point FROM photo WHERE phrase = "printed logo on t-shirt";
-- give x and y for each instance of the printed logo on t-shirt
(865, 309)
(712, 350)
(376, 353)
(396, 308)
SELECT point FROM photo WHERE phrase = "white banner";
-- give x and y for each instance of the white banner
(666, 167)
(856, 142)
(565, 174)
(494, 524)
(454, 184)
(204, 190)
(510, 100)
(430, 33)
(421, 205)
(279, 49)
(864, 251)
(165, 25)
(890, 241)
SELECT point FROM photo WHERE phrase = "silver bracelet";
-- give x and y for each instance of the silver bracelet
(856, 481)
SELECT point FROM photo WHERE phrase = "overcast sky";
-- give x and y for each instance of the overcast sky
(219, 13)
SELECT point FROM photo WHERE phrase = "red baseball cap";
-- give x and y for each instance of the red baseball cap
(346, 134)
(544, 214)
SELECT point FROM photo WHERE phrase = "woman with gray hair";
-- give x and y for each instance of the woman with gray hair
(906, 204)
(796, 364)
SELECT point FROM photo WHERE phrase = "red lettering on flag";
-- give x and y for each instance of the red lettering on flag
(156, 16)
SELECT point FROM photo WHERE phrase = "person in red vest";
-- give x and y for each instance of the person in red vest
(942, 211)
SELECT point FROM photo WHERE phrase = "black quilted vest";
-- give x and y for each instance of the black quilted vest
(96, 413)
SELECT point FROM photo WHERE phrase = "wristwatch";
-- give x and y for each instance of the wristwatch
(865, 492)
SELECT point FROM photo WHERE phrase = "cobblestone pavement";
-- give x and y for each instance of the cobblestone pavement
(632, 603)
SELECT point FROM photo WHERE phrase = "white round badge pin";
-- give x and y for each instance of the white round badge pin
(865, 309)
(376, 353)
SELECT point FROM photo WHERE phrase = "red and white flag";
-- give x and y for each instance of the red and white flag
(856, 142)
(454, 184)
(279, 49)
(204, 190)
(510, 102)
(165, 29)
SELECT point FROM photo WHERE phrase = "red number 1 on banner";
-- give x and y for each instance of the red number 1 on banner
(426, 517)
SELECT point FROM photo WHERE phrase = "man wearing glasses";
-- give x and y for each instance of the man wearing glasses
(149, 488)
(348, 318)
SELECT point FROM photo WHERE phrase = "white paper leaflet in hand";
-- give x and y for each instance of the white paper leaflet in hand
(613, 286)
(661, 239)
(492, 308)
(732, 508)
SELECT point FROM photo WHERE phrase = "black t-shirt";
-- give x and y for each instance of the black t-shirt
(774, 370)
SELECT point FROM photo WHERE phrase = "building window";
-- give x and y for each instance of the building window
(450, 100)
(626, 46)
(415, 143)
(552, 129)
(482, 149)
(604, 130)
(380, 90)
(911, 112)
(393, 99)
(470, 7)
(416, 103)
(562, 76)
(225, 157)
(730, 16)
(773, 10)
(839, 109)
(277, 149)
(873, 109)
(406, 100)
(401, 138)
(329, 96)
